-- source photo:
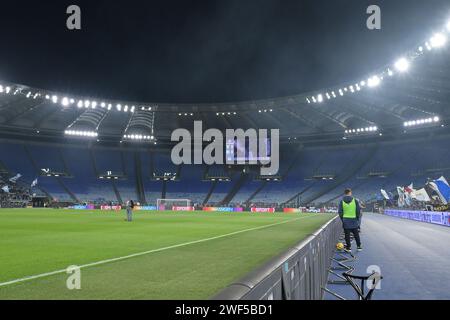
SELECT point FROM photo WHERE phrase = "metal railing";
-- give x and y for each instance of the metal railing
(297, 274)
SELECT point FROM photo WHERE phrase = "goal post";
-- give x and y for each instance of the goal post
(169, 204)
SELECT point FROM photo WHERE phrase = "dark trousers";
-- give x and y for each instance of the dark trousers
(355, 235)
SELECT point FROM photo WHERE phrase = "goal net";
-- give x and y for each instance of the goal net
(169, 204)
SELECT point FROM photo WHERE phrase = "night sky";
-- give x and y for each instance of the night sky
(206, 50)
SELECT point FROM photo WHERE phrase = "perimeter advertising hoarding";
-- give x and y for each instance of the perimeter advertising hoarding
(146, 208)
(111, 208)
(183, 208)
(440, 218)
(222, 209)
(261, 210)
(292, 210)
(83, 207)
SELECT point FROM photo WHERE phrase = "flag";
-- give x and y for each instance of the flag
(408, 192)
(385, 194)
(441, 187)
(5, 189)
(409, 189)
(15, 178)
(421, 195)
(34, 183)
(401, 197)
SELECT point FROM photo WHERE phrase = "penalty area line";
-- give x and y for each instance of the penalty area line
(48, 274)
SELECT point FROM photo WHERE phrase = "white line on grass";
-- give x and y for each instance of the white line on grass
(47, 274)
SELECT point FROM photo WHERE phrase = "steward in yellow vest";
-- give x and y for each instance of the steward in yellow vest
(350, 214)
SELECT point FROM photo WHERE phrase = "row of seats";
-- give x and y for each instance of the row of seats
(403, 163)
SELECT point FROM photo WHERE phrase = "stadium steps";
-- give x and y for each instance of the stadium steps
(94, 162)
(210, 192)
(284, 175)
(5, 170)
(294, 161)
(254, 194)
(139, 183)
(354, 188)
(351, 169)
(310, 186)
(364, 172)
(64, 162)
(67, 190)
(164, 189)
(35, 166)
(235, 189)
(30, 157)
(116, 191)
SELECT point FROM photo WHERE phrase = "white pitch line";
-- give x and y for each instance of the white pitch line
(47, 274)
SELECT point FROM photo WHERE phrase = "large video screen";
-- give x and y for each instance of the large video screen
(235, 145)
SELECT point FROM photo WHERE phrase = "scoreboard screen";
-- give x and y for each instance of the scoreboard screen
(235, 145)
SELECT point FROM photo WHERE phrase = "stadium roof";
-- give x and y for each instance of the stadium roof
(411, 93)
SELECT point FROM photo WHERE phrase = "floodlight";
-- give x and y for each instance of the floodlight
(320, 98)
(65, 102)
(402, 64)
(374, 81)
(81, 133)
(438, 40)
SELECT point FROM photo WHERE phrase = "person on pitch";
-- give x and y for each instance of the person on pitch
(130, 207)
(350, 214)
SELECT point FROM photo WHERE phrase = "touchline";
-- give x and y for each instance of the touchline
(247, 147)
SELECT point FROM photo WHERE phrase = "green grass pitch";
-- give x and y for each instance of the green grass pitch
(38, 241)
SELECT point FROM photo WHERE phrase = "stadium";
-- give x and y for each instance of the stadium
(71, 164)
